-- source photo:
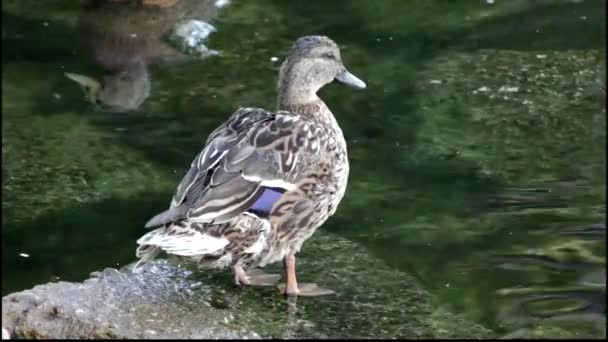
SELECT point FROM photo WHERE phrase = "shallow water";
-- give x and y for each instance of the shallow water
(477, 151)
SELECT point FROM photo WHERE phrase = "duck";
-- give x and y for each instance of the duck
(265, 180)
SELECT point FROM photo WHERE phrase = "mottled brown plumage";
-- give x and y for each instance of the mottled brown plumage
(221, 215)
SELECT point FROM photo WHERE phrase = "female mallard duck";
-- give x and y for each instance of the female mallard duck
(265, 180)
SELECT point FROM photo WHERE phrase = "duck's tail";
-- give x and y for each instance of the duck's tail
(145, 251)
(179, 239)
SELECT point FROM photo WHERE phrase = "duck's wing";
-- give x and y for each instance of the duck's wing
(253, 151)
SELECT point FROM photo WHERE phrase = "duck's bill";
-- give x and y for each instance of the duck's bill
(349, 79)
(90, 86)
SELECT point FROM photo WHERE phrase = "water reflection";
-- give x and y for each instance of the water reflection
(580, 303)
(122, 38)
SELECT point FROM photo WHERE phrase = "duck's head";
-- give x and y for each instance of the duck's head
(313, 62)
(120, 92)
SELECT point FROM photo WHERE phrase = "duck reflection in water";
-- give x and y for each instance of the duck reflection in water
(124, 37)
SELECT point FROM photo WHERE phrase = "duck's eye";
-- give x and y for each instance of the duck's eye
(328, 55)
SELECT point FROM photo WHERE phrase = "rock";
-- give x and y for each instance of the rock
(157, 303)
(167, 301)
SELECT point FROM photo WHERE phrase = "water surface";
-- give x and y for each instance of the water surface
(477, 151)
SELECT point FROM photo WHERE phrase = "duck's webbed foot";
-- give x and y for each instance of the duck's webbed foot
(305, 290)
(292, 288)
(254, 277)
(258, 277)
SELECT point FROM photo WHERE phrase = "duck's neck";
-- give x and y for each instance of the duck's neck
(310, 105)
(314, 109)
(292, 92)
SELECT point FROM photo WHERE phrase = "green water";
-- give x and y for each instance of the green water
(478, 144)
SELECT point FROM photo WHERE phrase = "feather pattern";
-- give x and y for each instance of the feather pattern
(265, 180)
(254, 147)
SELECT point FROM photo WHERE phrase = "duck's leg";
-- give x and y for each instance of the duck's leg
(240, 277)
(292, 288)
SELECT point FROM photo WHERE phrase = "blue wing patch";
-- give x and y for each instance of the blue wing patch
(264, 203)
